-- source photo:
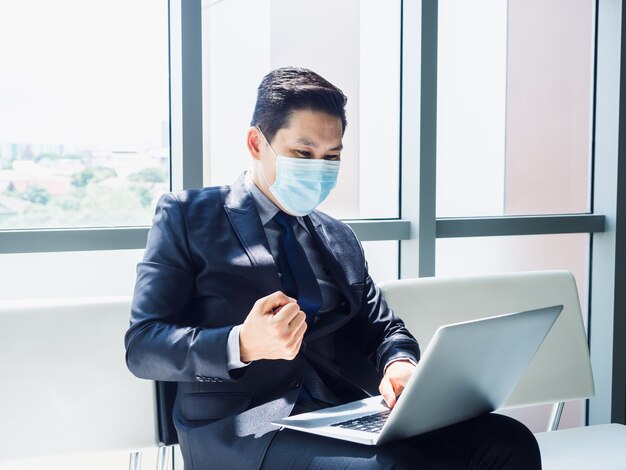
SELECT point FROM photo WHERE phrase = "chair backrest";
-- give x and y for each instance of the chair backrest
(166, 395)
(560, 370)
(65, 385)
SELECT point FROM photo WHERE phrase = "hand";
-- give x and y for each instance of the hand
(273, 329)
(396, 376)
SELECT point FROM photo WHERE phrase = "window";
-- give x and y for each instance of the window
(514, 107)
(514, 129)
(354, 44)
(84, 121)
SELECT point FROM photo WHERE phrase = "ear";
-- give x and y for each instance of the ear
(253, 140)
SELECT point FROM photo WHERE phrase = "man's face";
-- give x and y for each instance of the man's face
(309, 134)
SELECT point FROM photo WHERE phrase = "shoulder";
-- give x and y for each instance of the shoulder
(191, 197)
(333, 228)
(193, 202)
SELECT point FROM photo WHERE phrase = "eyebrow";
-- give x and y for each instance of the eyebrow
(303, 141)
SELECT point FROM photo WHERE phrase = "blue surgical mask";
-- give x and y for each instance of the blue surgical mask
(302, 183)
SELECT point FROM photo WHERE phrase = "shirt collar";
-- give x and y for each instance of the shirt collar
(267, 209)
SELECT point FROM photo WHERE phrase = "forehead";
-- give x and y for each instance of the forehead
(313, 127)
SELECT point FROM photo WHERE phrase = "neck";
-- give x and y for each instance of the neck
(261, 183)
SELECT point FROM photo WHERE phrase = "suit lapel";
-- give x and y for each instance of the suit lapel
(330, 254)
(328, 323)
(244, 218)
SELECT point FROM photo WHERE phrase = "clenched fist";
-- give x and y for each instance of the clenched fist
(273, 329)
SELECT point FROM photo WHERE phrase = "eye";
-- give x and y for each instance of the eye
(332, 158)
(304, 153)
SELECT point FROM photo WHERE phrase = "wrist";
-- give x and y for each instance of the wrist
(406, 360)
(244, 353)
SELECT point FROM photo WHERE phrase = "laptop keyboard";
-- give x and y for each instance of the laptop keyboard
(370, 423)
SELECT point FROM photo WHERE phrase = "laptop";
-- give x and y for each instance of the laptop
(468, 369)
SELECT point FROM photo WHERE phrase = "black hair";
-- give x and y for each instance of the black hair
(288, 89)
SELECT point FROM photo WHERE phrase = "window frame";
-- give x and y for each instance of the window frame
(605, 223)
(417, 227)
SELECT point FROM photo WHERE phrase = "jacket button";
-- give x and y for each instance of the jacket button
(295, 385)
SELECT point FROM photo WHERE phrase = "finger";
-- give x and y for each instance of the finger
(297, 321)
(286, 314)
(386, 390)
(298, 344)
(296, 335)
(273, 301)
(299, 334)
(398, 387)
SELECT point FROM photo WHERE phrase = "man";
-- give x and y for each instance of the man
(259, 307)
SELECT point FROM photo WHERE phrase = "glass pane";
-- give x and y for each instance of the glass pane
(486, 255)
(382, 259)
(514, 107)
(354, 44)
(84, 131)
(53, 275)
(113, 461)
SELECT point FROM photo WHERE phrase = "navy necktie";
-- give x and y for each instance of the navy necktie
(298, 278)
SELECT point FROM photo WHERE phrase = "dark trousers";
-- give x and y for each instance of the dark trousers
(490, 441)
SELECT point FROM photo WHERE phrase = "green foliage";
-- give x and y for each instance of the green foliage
(70, 201)
(92, 175)
(93, 206)
(149, 175)
(36, 195)
(87, 204)
(145, 195)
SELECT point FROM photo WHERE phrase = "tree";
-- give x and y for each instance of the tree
(149, 175)
(36, 195)
(88, 175)
(145, 195)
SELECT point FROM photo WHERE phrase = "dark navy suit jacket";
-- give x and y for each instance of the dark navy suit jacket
(206, 262)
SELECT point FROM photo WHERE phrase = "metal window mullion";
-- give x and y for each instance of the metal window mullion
(428, 138)
(56, 240)
(380, 230)
(186, 93)
(418, 135)
(608, 299)
(519, 225)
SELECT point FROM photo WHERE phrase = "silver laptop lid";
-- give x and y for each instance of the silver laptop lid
(468, 368)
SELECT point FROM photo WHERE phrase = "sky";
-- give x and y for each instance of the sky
(83, 73)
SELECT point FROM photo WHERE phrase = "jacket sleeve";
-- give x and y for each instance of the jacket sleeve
(382, 334)
(161, 344)
(386, 337)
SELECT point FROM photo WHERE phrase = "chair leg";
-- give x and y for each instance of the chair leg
(135, 461)
(162, 463)
(555, 416)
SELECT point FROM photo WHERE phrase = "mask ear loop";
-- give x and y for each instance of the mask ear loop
(259, 161)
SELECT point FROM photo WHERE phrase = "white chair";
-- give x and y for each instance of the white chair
(560, 371)
(65, 386)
